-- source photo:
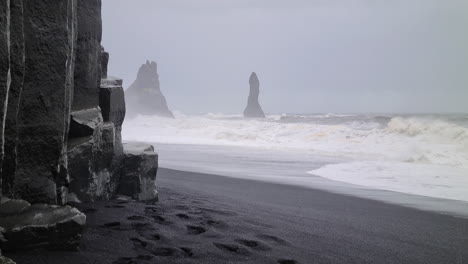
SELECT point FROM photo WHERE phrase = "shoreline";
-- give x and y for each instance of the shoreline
(204, 218)
(289, 169)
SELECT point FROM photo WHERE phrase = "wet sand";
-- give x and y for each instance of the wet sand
(204, 218)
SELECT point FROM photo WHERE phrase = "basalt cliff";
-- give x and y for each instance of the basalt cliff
(60, 124)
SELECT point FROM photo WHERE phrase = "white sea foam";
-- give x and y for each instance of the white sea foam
(398, 149)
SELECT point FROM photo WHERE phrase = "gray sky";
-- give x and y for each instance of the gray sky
(310, 55)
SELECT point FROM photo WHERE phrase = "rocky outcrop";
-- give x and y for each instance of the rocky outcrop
(87, 76)
(61, 119)
(24, 225)
(144, 96)
(5, 260)
(17, 70)
(44, 109)
(254, 110)
(5, 73)
(139, 172)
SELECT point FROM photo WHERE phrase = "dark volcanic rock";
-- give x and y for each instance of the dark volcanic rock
(43, 119)
(61, 123)
(5, 260)
(89, 178)
(139, 171)
(88, 55)
(16, 86)
(254, 110)
(104, 63)
(24, 226)
(144, 96)
(5, 74)
(112, 101)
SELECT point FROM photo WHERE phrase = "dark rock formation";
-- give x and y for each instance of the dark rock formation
(144, 96)
(60, 123)
(88, 55)
(104, 63)
(44, 110)
(24, 225)
(139, 172)
(17, 60)
(5, 70)
(5, 260)
(254, 110)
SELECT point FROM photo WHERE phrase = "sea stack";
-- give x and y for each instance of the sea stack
(254, 110)
(144, 96)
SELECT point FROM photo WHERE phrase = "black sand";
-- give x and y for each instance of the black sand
(211, 219)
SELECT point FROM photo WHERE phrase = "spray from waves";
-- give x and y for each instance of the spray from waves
(444, 131)
(359, 137)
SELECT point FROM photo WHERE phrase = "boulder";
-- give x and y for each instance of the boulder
(44, 110)
(144, 96)
(139, 169)
(27, 226)
(254, 110)
(85, 123)
(112, 101)
(89, 177)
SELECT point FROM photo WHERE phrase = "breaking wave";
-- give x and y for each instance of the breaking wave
(440, 140)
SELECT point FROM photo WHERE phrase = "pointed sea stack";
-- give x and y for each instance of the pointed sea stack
(254, 110)
(144, 96)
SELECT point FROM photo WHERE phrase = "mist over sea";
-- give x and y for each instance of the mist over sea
(415, 154)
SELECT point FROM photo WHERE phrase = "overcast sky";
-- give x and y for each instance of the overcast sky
(310, 55)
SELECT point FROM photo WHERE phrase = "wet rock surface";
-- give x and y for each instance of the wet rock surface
(144, 96)
(253, 109)
(26, 226)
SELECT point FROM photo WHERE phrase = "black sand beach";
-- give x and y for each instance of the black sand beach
(204, 218)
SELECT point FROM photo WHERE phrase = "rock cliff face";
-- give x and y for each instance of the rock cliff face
(144, 96)
(254, 110)
(60, 122)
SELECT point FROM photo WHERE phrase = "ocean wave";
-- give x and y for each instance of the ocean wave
(403, 139)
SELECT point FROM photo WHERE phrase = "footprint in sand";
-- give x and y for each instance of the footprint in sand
(89, 210)
(183, 216)
(169, 252)
(287, 261)
(188, 251)
(182, 207)
(232, 248)
(257, 245)
(195, 230)
(145, 257)
(219, 212)
(112, 224)
(138, 243)
(136, 218)
(161, 220)
(217, 224)
(275, 239)
(124, 260)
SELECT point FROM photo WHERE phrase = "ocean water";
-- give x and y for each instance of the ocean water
(424, 155)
